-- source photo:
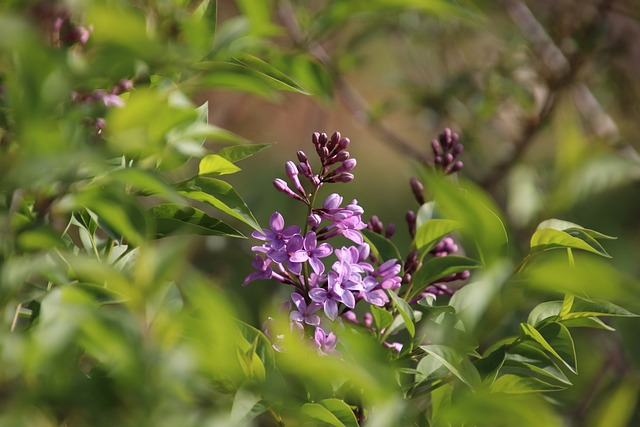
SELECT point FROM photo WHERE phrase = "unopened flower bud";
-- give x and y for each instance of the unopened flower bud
(410, 217)
(376, 224)
(314, 221)
(282, 186)
(417, 189)
(341, 156)
(448, 159)
(437, 149)
(457, 149)
(456, 167)
(406, 278)
(343, 177)
(291, 169)
(390, 231)
(333, 142)
(302, 157)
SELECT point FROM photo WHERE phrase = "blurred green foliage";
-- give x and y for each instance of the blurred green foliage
(113, 315)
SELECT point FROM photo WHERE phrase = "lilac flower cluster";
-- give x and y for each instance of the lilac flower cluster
(109, 99)
(296, 256)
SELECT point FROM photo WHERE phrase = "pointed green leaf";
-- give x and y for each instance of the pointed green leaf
(405, 311)
(381, 317)
(520, 384)
(432, 231)
(549, 238)
(239, 152)
(544, 311)
(560, 339)
(214, 164)
(591, 308)
(318, 412)
(455, 362)
(382, 248)
(174, 219)
(279, 79)
(222, 196)
(341, 410)
(586, 322)
(529, 361)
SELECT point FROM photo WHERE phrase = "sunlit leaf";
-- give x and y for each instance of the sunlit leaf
(381, 247)
(239, 152)
(220, 195)
(214, 164)
(171, 219)
(432, 231)
(405, 311)
(455, 362)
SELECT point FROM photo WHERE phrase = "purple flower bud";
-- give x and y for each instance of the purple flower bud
(314, 221)
(302, 157)
(437, 160)
(323, 139)
(343, 144)
(341, 156)
(411, 217)
(282, 186)
(390, 231)
(343, 177)
(305, 170)
(437, 149)
(99, 124)
(456, 167)
(368, 319)
(406, 278)
(417, 189)
(448, 159)
(291, 169)
(457, 149)
(333, 142)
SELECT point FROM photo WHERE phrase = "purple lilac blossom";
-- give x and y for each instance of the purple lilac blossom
(304, 313)
(325, 343)
(278, 235)
(264, 271)
(312, 252)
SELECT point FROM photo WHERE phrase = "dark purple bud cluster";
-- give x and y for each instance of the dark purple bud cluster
(70, 34)
(445, 247)
(336, 166)
(378, 227)
(446, 149)
(411, 219)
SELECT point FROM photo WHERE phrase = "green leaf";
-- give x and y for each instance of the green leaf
(455, 362)
(220, 195)
(489, 365)
(382, 247)
(405, 311)
(341, 410)
(36, 239)
(214, 164)
(519, 384)
(591, 308)
(279, 80)
(174, 219)
(561, 338)
(438, 268)
(529, 361)
(118, 211)
(146, 183)
(586, 322)
(549, 238)
(472, 207)
(617, 407)
(432, 231)
(544, 311)
(318, 412)
(381, 317)
(239, 152)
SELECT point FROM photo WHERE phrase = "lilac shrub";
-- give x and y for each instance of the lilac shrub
(296, 256)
